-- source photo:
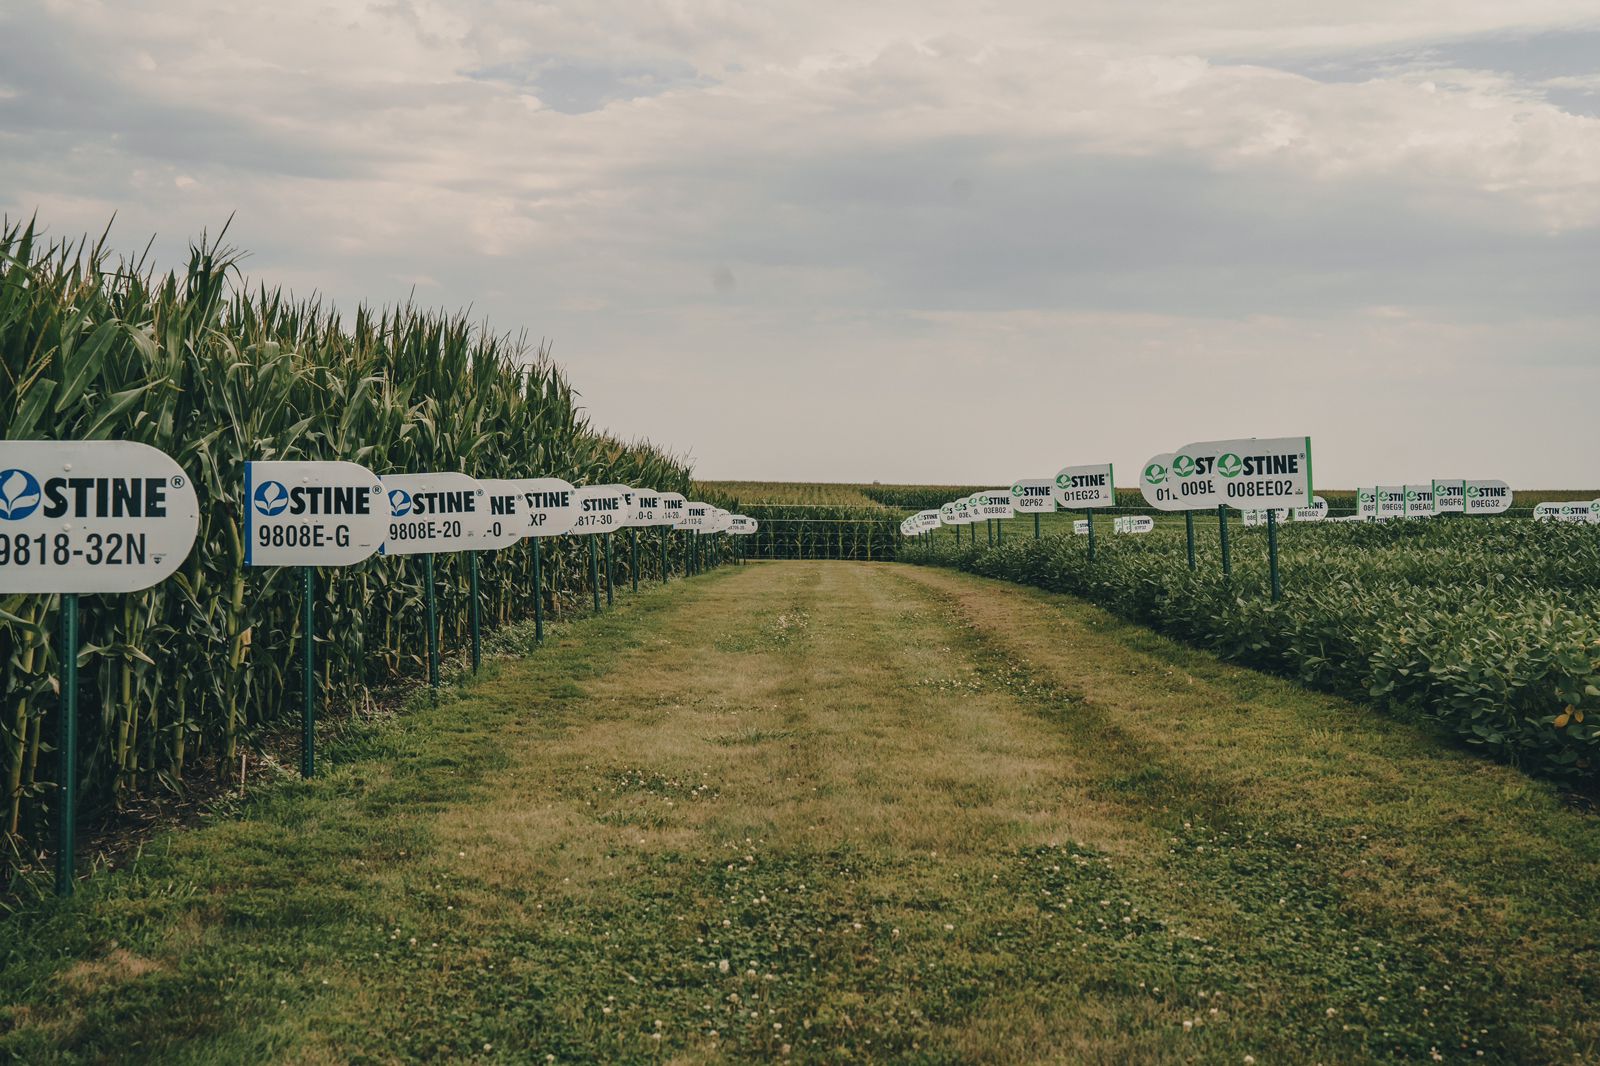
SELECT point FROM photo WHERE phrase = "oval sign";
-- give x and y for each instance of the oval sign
(91, 516)
(438, 512)
(312, 513)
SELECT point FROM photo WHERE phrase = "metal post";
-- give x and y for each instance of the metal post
(1188, 529)
(633, 564)
(999, 530)
(433, 623)
(1089, 517)
(1222, 524)
(67, 747)
(538, 595)
(1272, 552)
(477, 633)
(308, 717)
(1036, 525)
(609, 582)
(594, 573)
(988, 526)
(666, 571)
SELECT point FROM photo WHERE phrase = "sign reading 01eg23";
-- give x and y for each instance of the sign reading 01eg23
(438, 512)
(1248, 473)
(312, 513)
(1085, 486)
(1033, 496)
(91, 516)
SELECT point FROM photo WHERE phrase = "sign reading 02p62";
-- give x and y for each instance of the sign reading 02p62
(312, 513)
(1249, 473)
(91, 516)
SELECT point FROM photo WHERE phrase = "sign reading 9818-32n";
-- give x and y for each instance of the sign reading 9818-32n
(91, 516)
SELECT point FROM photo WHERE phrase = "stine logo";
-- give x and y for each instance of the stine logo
(81, 497)
(272, 498)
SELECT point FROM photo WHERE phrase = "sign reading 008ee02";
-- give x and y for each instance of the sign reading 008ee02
(312, 513)
(1249, 473)
(91, 516)
(442, 512)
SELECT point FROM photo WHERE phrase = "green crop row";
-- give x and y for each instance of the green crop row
(213, 372)
(1491, 627)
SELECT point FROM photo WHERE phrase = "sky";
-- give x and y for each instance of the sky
(906, 240)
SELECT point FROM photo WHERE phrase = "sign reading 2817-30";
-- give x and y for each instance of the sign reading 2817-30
(91, 516)
(312, 513)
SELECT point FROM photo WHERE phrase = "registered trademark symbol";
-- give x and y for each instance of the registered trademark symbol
(177, 483)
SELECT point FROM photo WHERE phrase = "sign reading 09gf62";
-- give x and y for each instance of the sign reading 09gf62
(442, 512)
(91, 516)
(312, 513)
(1248, 474)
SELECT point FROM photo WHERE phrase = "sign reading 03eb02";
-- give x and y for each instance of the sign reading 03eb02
(91, 516)
(312, 513)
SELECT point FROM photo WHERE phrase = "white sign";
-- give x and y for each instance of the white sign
(1578, 511)
(672, 505)
(1487, 497)
(1315, 513)
(947, 514)
(312, 513)
(1449, 496)
(695, 515)
(548, 506)
(506, 523)
(1078, 487)
(1159, 485)
(648, 508)
(1135, 523)
(993, 503)
(1033, 496)
(1391, 501)
(927, 520)
(1247, 474)
(601, 508)
(91, 516)
(439, 512)
(1367, 504)
(1080, 526)
(1419, 501)
(718, 521)
(1258, 517)
(743, 525)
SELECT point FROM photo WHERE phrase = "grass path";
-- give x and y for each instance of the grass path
(846, 812)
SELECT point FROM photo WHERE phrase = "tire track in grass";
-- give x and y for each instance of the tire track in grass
(1281, 838)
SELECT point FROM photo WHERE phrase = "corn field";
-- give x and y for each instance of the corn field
(177, 680)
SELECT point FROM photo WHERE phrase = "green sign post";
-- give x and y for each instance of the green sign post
(67, 747)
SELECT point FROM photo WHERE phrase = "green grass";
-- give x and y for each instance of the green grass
(920, 816)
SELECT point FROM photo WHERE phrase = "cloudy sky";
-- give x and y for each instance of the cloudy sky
(905, 240)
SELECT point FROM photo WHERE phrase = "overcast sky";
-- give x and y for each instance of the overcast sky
(897, 241)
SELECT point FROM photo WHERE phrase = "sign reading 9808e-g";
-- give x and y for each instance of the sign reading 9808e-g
(91, 516)
(312, 513)
(442, 512)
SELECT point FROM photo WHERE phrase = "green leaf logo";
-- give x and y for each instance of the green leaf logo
(1064, 481)
(1472, 491)
(1016, 490)
(1230, 465)
(1155, 474)
(1182, 465)
(1411, 494)
(1364, 496)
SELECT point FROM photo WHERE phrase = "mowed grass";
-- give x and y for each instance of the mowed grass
(846, 812)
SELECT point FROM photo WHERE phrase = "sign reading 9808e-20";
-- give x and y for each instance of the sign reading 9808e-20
(91, 516)
(442, 512)
(312, 513)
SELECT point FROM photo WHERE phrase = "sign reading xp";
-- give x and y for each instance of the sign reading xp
(91, 516)
(1247, 473)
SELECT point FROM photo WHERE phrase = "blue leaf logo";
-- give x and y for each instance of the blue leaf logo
(271, 498)
(399, 502)
(19, 494)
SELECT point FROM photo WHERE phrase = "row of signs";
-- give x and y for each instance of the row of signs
(116, 516)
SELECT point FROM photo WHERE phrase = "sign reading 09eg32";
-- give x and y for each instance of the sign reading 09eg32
(91, 516)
